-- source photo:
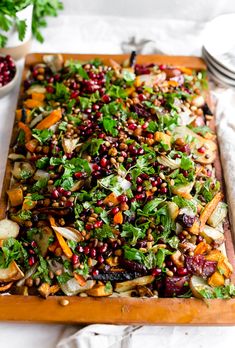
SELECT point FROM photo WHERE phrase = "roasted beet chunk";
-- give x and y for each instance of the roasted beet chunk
(199, 266)
(186, 220)
(175, 286)
(140, 110)
(134, 266)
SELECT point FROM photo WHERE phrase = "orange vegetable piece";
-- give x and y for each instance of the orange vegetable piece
(53, 246)
(195, 228)
(216, 279)
(64, 246)
(31, 145)
(111, 198)
(225, 267)
(32, 103)
(209, 208)
(215, 255)
(15, 196)
(201, 248)
(118, 218)
(80, 279)
(18, 114)
(38, 96)
(50, 120)
(186, 71)
(26, 130)
(172, 83)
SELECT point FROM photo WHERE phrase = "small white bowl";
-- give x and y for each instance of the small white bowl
(9, 86)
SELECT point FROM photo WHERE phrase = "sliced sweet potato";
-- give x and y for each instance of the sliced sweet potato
(163, 137)
(32, 145)
(216, 279)
(27, 131)
(28, 203)
(225, 267)
(15, 196)
(44, 290)
(100, 290)
(32, 103)
(201, 248)
(80, 279)
(38, 96)
(195, 229)
(111, 198)
(118, 218)
(209, 208)
(50, 120)
(214, 255)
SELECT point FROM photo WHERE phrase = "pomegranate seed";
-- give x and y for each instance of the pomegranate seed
(96, 167)
(95, 272)
(144, 176)
(156, 272)
(74, 95)
(92, 253)
(185, 149)
(176, 156)
(88, 227)
(139, 180)
(185, 173)
(103, 248)
(55, 194)
(181, 237)
(150, 136)
(67, 193)
(142, 97)
(68, 204)
(139, 188)
(115, 210)
(201, 149)
(31, 261)
(100, 259)
(99, 114)
(86, 250)
(95, 107)
(199, 239)
(162, 66)
(158, 181)
(140, 196)
(133, 149)
(140, 151)
(169, 263)
(99, 202)
(104, 162)
(182, 271)
(34, 244)
(98, 224)
(50, 89)
(122, 199)
(75, 259)
(132, 126)
(80, 249)
(61, 190)
(56, 77)
(101, 135)
(145, 125)
(31, 251)
(106, 98)
(78, 175)
(163, 190)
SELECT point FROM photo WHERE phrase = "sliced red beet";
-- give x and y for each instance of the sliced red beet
(198, 265)
(175, 286)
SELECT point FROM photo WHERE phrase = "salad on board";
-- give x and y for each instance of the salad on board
(113, 189)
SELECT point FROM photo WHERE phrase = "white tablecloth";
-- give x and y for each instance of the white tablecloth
(71, 33)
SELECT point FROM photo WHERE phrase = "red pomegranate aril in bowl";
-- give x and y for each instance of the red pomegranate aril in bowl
(8, 74)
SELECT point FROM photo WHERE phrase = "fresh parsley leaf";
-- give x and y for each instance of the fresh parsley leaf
(85, 103)
(128, 75)
(152, 127)
(92, 146)
(160, 256)
(183, 202)
(40, 184)
(42, 135)
(151, 206)
(173, 242)
(42, 163)
(117, 92)
(61, 93)
(42, 270)
(133, 254)
(12, 250)
(109, 125)
(63, 126)
(108, 287)
(132, 232)
(25, 214)
(21, 28)
(25, 174)
(104, 232)
(64, 278)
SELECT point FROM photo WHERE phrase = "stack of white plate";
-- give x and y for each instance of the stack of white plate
(219, 49)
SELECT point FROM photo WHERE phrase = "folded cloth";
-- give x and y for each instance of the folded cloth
(113, 336)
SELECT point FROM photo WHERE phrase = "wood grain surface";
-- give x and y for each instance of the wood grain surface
(163, 311)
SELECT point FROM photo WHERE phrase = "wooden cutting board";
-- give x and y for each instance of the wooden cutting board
(163, 311)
